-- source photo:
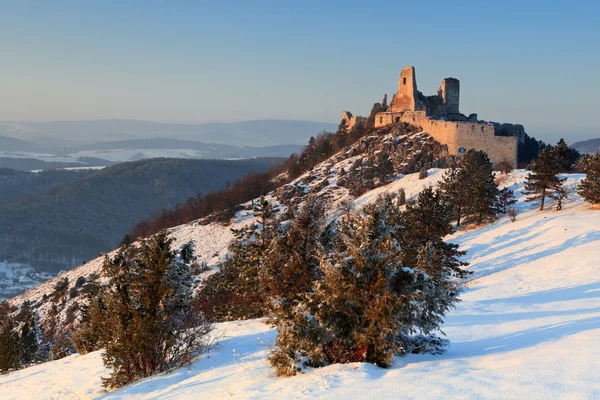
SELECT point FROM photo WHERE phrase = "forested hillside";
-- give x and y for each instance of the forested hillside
(64, 225)
(15, 184)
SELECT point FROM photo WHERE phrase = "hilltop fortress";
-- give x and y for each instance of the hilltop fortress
(439, 115)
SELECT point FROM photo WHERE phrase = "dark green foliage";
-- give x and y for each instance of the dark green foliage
(542, 181)
(427, 221)
(93, 331)
(342, 134)
(506, 198)
(9, 341)
(385, 167)
(471, 189)
(452, 187)
(152, 324)
(589, 188)
(291, 265)
(480, 186)
(528, 150)
(376, 293)
(19, 338)
(28, 341)
(236, 292)
(565, 156)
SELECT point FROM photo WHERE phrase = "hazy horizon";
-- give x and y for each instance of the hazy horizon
(196, 62)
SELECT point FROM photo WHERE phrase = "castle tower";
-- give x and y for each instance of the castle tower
(406, 99)
(449, 92)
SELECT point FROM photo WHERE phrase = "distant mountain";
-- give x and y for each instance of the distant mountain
(61, 226)
(107, 153)
(12, 144)
(587, 146)
(244, 133)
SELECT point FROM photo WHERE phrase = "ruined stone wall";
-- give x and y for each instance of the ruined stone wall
(449, 91)
(458, 136)
(406, 98)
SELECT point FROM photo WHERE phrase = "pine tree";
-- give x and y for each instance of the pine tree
(342, 134)
(357, 132)
(452, 186)
(291, 265)
(236, 293)
(543, 180)
(342, 128)
(565, 156)
(9, 341)
(428, 221)
(480, 187)
(149, 311)
(385, 167)
(506, 198)
(370, 304)
(28, 341)
(589, 188)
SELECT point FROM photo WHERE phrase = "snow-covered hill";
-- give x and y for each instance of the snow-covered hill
(528, 325)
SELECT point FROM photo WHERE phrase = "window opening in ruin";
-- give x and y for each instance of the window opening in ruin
(404, 81)
(397, 119)
(381, 120)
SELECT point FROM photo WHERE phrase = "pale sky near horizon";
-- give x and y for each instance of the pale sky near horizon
(529, 62)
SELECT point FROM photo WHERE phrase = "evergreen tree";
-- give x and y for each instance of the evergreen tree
(342, 134)
(452, 186)
(471, 189)
(236, 292)
(589, 188)
(565, 156)
(92, 333)
(428, 221)
(357, 132)
(28, 341)
(480, 187)
(342, 128)
(543, 180)
(291, 266)
(370, 304)
(506, 198)
(9, 341)
(149, 311)
(385, 167)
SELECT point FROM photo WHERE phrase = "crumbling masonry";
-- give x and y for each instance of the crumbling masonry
(439, 115)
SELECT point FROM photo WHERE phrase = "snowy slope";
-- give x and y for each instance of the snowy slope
(528, 327)
(212, 239)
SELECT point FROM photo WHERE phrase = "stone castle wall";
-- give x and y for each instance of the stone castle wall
(458, 136)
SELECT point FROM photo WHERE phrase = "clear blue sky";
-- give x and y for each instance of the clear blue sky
(529, 62)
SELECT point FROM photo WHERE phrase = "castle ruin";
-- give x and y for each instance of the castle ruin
(439, 116)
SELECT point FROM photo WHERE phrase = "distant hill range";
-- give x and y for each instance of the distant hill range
(587, 146)
(65, 144)
(57, 219)
(245, 133)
